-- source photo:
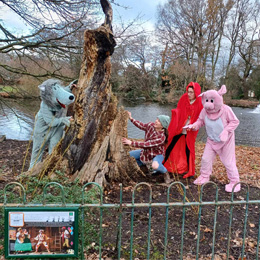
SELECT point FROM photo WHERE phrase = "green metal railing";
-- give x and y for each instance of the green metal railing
(166, 207)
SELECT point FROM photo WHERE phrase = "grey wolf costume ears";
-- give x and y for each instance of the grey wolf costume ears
(53, 82)
(48, 82)
(75, 81)
(42, 88)
(221, 91)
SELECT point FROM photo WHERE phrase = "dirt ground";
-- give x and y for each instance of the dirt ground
(15, 156)
(12, 154)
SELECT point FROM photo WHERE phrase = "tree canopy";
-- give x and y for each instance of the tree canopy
(50, 39)
(200, 40)
(213, 35)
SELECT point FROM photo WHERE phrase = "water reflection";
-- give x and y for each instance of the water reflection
(247, 133)
(17, 119)
(256, 110)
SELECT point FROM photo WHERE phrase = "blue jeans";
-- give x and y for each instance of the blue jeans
(158, 158)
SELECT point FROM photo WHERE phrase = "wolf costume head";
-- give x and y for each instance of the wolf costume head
(54, 95)
(51, 118)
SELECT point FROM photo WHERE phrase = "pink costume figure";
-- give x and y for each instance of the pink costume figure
(41, 238)
(220, 122)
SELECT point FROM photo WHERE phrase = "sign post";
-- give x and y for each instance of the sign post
(41, 232)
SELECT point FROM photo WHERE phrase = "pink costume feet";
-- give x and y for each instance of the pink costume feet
(229, 187)
(201, 180)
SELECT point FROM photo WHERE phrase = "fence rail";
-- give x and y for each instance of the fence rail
(169, 212)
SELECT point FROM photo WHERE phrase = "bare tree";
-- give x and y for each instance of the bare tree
(217, 16)
(194, 30)
(138, 67)
(183, 24)
(247, 39)
(92, 148)
(51, 34)
(243, 33)
(234, 27)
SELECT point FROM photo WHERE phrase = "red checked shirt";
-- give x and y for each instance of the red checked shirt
(153, 143)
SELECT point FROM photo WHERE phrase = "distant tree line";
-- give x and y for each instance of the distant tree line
(212, 42)
(50, 42)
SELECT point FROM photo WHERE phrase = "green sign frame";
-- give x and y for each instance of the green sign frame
(41, 232)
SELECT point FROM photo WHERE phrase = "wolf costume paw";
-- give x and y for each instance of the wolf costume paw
(66, 120)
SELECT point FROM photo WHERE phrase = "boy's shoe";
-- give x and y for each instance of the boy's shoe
(167, 178)
(155, 173)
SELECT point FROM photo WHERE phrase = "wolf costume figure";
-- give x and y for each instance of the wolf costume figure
(220, 122)
(51, 119)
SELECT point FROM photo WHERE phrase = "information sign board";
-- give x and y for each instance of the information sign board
(41, 232)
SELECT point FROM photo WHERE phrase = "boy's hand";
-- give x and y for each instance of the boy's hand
(126, 141)
(129, 114)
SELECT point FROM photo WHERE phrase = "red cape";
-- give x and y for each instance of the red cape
(177, 161)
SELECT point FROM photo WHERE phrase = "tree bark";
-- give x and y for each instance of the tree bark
(92, 149)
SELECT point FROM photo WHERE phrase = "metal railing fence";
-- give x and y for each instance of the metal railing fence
(169, 212)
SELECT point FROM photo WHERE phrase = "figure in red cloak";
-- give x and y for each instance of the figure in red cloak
(180, 152)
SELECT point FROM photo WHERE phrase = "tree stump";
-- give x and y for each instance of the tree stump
(92, 149)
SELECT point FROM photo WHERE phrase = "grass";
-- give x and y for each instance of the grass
(1, 233)
(8, 89)
(21, 91)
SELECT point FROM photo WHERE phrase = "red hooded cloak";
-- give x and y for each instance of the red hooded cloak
(177, 160)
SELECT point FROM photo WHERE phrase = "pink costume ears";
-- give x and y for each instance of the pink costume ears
(223, 90)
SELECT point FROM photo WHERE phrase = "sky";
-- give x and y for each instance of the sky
(145, 8)
(12, 20)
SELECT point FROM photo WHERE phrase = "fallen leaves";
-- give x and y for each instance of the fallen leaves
(252, 225)
(250, 244)
(217, 256)
(207, 230)
(194, 234)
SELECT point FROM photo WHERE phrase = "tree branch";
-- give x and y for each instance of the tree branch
(108, 11)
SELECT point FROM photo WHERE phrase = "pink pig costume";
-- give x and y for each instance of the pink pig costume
(220, 122)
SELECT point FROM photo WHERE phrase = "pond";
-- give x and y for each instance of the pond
(17, 119)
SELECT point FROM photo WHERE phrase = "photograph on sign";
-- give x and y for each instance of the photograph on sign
(41, 233)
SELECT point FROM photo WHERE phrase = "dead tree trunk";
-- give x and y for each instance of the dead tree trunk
(92, 149)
